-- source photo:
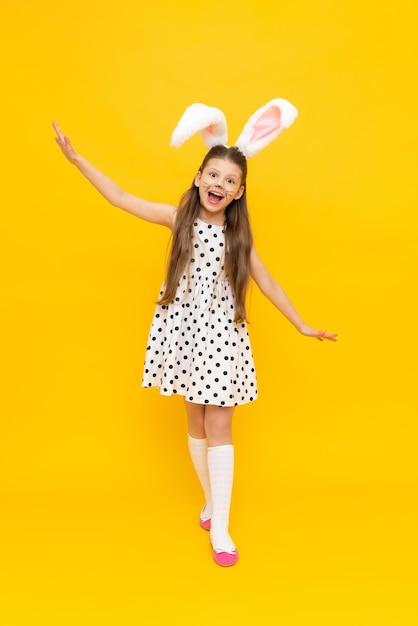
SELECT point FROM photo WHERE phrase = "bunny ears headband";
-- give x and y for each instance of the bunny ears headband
(262, 127)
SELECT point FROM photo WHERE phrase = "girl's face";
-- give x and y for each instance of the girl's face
(219, 184)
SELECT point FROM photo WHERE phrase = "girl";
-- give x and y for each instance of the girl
(198, 344)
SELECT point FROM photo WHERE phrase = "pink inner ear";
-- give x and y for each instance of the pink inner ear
(267, 123)
(210, 129)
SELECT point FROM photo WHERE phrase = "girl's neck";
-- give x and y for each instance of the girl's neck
(215, 219)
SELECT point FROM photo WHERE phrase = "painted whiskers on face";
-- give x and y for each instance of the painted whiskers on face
(219, 182)
(217, 190)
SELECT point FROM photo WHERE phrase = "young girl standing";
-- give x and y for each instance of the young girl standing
(198, 345)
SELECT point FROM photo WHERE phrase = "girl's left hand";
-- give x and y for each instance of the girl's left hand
(317, 334)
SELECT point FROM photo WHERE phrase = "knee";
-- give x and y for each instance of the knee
(218, 432)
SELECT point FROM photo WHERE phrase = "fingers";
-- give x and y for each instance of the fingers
(57, 129)
(322, 334)
(61, 139)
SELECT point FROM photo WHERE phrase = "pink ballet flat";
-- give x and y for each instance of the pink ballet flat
(204, 523)
(225, 559)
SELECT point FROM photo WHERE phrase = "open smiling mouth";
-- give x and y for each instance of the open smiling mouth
(215, 197)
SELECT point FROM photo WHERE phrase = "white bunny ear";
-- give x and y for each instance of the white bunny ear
(265, 125)
(209, 121)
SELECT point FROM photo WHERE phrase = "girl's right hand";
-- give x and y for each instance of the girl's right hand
(65, 144)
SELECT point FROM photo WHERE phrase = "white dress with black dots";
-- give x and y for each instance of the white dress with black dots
(195, 349)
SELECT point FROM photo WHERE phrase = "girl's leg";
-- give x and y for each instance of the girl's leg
(198, 449)
(195, 420)
(218, 427)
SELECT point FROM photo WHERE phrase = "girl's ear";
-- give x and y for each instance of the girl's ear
(197, 179)
(209, 121)
(265, 125)
(240, 192)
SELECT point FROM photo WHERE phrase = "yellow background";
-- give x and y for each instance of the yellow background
(99, 502)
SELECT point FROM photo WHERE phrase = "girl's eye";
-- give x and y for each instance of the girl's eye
(212, 174)
(231, 181)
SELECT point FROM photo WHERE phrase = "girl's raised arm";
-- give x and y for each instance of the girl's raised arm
(157, 213)
(275, 293)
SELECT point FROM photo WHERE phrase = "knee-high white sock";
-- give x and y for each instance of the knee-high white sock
(199, 454)
(221, 473)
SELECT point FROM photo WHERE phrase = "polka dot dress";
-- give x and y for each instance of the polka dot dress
(195, 349)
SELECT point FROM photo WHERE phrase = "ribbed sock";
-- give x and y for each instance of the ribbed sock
(221, 473)
(199, 454)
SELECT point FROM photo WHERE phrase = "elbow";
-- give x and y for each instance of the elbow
(117, 199)
(267, 288)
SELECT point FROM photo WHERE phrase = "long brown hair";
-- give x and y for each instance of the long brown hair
(238, 236)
